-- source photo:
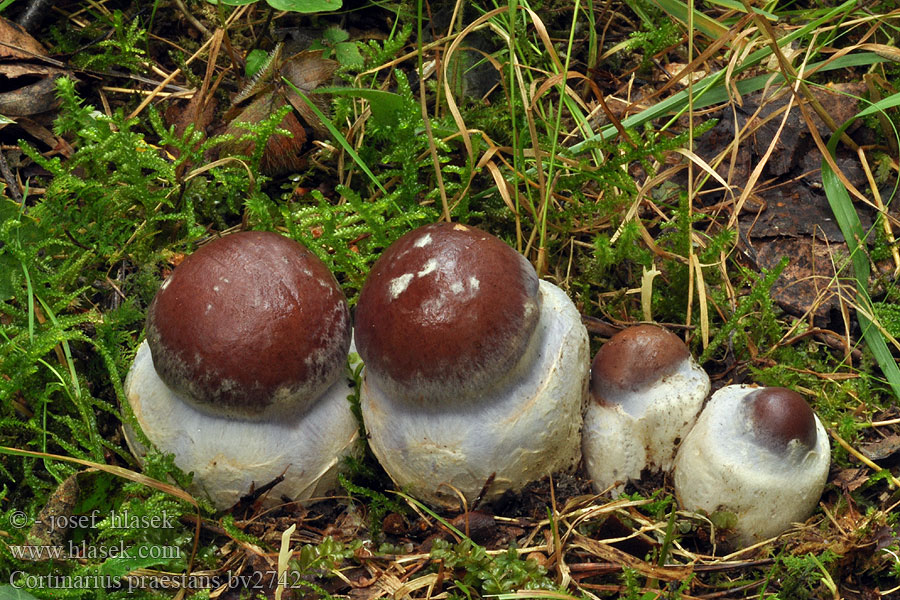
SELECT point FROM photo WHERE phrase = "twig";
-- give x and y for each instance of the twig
(11, 184)
(34, 15)
(191, 18)
(862, 458)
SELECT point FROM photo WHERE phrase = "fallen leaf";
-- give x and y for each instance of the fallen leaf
(15, 42)
(881, 449)
(851, 479)
(22, 96)
(307, 71)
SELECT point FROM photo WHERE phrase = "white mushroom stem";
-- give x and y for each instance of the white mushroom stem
(526, 427)
(229, 457)
(641, 428)
(723, 465)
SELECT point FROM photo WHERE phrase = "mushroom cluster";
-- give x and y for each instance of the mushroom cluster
(758, 453)
(476, 370)
(242, 372)
(476, 383)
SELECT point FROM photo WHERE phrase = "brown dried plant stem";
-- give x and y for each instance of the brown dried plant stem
(11, 184)
(445, 206)
(791, 75)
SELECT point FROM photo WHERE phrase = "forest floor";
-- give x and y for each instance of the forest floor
(727, 170)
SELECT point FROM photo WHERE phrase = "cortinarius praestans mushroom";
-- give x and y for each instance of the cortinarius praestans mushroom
(476, 371)
(646, 392)
(760, 453)
(242, 373)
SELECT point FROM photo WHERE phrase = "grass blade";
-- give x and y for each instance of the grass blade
(848, 220)
(337, 136)
(710, 90)
(679, 10)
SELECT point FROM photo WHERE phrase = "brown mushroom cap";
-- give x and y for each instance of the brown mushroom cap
(780, 415)
(250, 325)
(635, 356)
(446, 310)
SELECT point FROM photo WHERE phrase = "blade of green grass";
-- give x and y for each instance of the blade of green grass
(10, 592)
(713, 93)
(337, 136)
(848, 220)
(557, 127)
(384, 105)
(710, 90)
(734, 5)
(679, 10)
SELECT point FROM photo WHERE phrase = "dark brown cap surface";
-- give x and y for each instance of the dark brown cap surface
(446, 310)
(636, 356)
(780, 415)
(250, 323)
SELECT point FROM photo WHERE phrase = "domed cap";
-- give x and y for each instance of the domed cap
(446, 310)
(779, 416)
(251, 325)
(636, 356)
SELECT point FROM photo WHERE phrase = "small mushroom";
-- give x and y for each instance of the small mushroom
(476, 371)
(759, 453)
(241, 376)
(646, 392)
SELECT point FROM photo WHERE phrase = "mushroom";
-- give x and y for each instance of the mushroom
(759, 453)
(241, 376)
(476, 371)
(646, 393)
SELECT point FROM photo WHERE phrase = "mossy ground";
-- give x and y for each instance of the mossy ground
(619, 187)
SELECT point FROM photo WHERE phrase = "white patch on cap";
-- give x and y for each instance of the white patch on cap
(226, 385)
(430, 266)
(474, 283)
(316, 358)
(399, 284)
(434, 307)
(226, 280)
(166, 283)
(216, 289)
(208, 307)
(423, 241)
(457, 287)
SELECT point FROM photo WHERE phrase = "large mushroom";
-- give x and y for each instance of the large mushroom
(759, 453)
(242, 374)
(646, 393)
(476, 371)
